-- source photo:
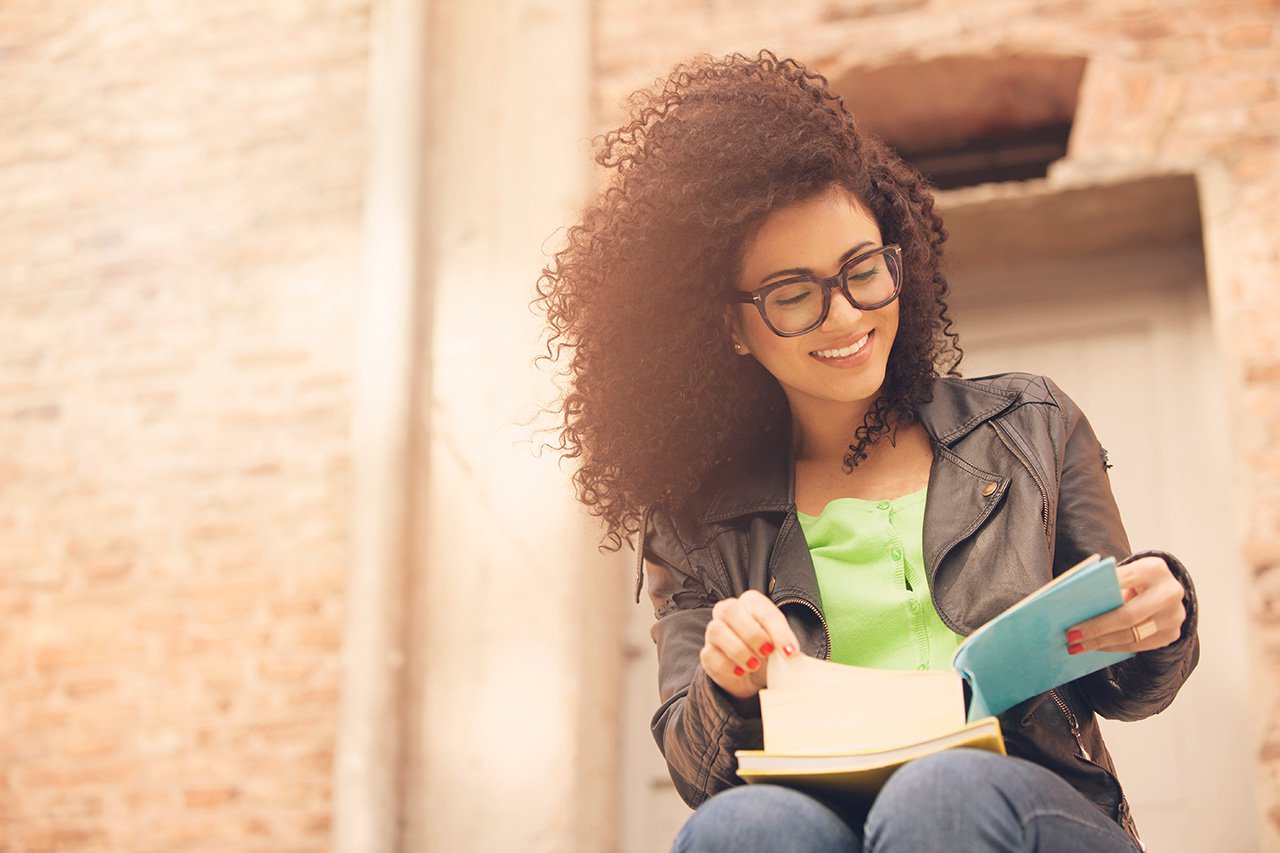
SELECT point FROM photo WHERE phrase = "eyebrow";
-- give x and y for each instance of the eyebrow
(806, 271)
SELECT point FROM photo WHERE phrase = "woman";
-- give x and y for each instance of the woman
(763, 388)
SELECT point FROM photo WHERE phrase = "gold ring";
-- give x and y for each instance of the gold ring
(1144, 630)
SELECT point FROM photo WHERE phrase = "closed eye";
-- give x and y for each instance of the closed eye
(792, 300)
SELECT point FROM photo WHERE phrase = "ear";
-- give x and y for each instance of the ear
(733, 326)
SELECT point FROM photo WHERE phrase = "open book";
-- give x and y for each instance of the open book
(831, 726)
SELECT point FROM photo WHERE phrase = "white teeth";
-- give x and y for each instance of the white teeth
(844, 351)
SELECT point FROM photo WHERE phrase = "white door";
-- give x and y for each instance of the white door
(1129, 339)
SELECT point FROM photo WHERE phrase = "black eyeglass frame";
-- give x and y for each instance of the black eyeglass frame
(841, 279)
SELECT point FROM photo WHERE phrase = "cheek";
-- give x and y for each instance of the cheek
(889, 323)
(756, 333)
(767, 348)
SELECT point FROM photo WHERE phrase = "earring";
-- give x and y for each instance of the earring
(737, 347)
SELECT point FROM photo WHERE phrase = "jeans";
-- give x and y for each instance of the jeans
(958, 800)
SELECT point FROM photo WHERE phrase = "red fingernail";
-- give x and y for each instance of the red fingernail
(1075, 648)
(788, 650)
(1075, 635)
(739, 671)
(766, 649)
(753, 664)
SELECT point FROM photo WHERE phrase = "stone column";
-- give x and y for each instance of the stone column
(481, 646)
(367, 784)
(513, 675)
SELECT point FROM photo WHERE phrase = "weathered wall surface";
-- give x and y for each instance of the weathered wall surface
(1169, 87)
(179, 239)
(179, 264)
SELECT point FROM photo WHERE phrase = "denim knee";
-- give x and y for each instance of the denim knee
(943, 800)
(947, 771)
(765, 818)
(965, 799)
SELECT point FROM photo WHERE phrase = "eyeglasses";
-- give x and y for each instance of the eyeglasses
(797, 305)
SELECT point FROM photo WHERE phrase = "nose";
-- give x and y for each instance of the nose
(842, 311)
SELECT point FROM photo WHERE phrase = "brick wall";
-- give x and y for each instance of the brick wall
(1186, 85)
(178, 257)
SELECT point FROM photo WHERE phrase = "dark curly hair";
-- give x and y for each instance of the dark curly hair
(656, 399)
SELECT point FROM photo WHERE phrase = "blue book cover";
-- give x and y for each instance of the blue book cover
(1023, 651)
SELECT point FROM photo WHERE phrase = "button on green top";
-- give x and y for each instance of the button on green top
(869, 561)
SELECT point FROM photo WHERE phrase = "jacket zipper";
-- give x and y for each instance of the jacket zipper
(1044, 492)
(1084, 753)
(826, 629)
(1075, 725)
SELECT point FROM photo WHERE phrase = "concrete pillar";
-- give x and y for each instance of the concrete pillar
(367, 784)
(481, 646)
(513, 672)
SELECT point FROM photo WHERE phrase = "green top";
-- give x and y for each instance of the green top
(869, 557)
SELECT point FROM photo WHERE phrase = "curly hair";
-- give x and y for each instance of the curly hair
(656, 399)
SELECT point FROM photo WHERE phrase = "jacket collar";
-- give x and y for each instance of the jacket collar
(953, 409)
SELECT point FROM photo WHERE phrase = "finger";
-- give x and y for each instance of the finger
(1123, 641)
(1156, 594)
(773, 621)
(740, 616)
(1120, 635)
(1120, 619)
(1145, 574)
(1115, 631)
(748, 635)
(1141, 572)
(726, 639)
(732, 678)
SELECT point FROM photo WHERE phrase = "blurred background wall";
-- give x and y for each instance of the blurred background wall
(279, 569)
(181, 194)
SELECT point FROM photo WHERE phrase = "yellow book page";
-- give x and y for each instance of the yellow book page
(816, 707)
(859, 774)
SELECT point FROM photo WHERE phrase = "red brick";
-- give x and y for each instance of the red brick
(62, 658)
(209, 797)
(78, 688)
(143, 535)
(1259, 34)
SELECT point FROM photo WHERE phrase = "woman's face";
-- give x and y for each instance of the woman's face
(844, 359)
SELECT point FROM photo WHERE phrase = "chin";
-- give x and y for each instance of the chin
(864, 388)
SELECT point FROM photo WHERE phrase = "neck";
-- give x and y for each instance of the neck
(822, 430)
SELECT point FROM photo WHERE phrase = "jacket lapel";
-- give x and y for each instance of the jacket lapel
(962, 496)
(957, 406)
(767, 483)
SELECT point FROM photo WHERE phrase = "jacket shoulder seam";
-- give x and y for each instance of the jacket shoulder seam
(1026, 387)
(1003, 399)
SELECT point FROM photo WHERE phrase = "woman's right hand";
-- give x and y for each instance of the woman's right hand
(741, 635)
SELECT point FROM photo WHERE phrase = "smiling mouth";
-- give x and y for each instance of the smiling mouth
(843, 352)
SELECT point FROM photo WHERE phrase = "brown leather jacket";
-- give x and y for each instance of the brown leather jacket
(1018, 493)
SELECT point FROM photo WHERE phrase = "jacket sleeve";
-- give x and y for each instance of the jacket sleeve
(1088, 521)
(698, 726)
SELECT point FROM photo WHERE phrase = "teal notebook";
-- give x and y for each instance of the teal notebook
(1023, 651)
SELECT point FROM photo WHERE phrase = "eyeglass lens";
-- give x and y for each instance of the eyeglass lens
(798, 305)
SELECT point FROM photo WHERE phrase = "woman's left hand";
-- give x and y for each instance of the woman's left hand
(1150, 618)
